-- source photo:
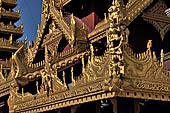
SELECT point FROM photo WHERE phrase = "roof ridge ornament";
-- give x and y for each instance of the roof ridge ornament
(115, 39)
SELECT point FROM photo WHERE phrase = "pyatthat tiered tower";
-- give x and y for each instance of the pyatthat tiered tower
(9, 33)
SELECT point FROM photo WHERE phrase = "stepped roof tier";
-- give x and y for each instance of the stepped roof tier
(8, 3)
(9, 33)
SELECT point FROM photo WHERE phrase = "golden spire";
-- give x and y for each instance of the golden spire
(37, 87)
(149, 45)
(38, 26)
(105, 17)
(11, 39)
(21, 26)
(22, 91)
(18, 10)
(72, 21)
(64, 79)
(162, 58)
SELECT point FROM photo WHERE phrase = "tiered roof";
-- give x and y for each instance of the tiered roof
(9, 33)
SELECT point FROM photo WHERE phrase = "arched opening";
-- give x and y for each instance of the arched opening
(142, 31)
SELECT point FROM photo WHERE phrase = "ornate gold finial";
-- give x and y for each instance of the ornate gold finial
(91, 49)
(73, 22)
(18, 10)
(89, 62)
(162, 58)
(21, 26)
(37, 87)
(52, 2)
(10, 23)
(2, 78)
(26, 38)
(83, 65)
(30, 44)
(116, 33)
(64, 79)
(154, 56)
(72, 77)
(149, 45)
(22, 91)
(11, 39)
(105, 17)
(38, 26)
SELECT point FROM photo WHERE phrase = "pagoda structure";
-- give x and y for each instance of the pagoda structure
(9, 33)
(92, 56)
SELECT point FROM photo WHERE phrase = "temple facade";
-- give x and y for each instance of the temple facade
(89, 56)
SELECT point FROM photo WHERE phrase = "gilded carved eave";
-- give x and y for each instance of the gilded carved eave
(61, 3)
(148, 76)
(35, 70)
(161, 18)
(157, 17)
(14, 15)
(133, 9)
(5, 86)
(6, 83)
(99, 32)
(70, 30)
(88, 87)
(144, 78)
(119, 72)
(11, 30)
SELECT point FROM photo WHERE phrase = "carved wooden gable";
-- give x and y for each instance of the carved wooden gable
(158, 18)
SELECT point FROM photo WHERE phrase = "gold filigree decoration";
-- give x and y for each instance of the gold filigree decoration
(157, 17)
(115, 38)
